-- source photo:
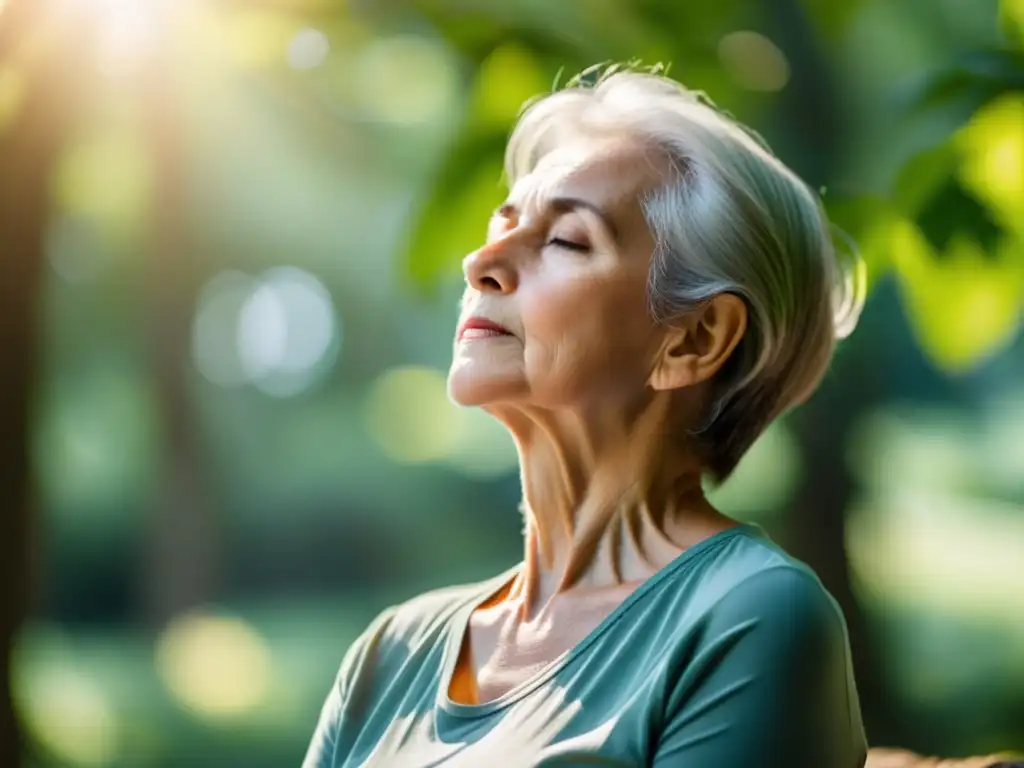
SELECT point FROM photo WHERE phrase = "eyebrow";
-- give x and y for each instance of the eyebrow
(563, 205)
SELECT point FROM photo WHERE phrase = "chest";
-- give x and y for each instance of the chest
(543, 680)
(498, 654)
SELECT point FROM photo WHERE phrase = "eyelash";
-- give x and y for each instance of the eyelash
(569, 245)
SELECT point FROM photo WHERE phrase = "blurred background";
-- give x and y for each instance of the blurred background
(230, 234)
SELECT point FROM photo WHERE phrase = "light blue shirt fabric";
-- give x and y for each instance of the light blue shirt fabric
(732, 655)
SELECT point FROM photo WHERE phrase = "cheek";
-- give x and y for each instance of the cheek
(587, 328)
(581, 309)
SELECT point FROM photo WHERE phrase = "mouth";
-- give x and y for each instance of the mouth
(481, 328)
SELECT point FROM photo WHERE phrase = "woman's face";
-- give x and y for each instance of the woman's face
(564, 272)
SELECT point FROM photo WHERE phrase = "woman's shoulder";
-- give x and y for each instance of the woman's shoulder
(760, 584)
(750, 578)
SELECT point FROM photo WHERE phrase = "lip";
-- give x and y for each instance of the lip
(481, 327)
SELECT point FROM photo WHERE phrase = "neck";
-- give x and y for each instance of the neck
(609, 498)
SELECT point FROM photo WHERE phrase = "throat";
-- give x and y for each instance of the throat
(614, 548)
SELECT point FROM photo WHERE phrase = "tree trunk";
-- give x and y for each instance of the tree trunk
(816, 531)
(29, 148)
(183, 565)
(809, 120)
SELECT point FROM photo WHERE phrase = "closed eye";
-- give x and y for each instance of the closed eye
(569, 245)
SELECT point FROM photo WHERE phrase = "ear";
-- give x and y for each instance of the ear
(700, 343)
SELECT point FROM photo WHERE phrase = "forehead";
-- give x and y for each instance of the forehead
(610, 173)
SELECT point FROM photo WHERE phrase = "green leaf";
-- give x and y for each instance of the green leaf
(973, 81)
(963, 306)
(922, 176)
(1011, 22)
(992, 151)
(953, 211)
(590, 31)
(506, 79)
(453, 220)
(864, 219)
(832, 17)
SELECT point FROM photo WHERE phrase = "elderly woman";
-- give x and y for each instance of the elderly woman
(656, 289)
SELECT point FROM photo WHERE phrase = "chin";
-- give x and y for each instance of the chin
(470, 384)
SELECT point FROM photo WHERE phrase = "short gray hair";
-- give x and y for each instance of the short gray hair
(730, 218)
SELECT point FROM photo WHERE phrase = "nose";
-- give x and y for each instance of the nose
(491, 268)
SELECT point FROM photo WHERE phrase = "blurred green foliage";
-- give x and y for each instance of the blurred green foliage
(950, 224)
(227, 497)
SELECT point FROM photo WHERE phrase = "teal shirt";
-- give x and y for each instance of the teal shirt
(732, 655)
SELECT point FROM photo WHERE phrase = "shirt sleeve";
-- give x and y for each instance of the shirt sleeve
(767, 682)
(324, 749)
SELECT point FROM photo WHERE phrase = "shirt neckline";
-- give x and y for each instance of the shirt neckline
(460, 624)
